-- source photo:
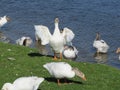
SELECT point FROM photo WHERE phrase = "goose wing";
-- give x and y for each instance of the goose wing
(68, 35)
(42, 33)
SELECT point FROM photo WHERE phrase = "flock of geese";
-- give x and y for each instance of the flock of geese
(61, 43)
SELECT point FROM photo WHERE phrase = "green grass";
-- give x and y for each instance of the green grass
(29, 63)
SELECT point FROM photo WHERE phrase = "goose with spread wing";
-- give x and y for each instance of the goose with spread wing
(57, 40)
(100, 45)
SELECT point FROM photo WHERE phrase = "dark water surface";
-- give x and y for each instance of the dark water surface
(84, 17)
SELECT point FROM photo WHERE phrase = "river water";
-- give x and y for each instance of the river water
(84, 17)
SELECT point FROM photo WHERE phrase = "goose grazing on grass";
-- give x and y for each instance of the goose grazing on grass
(24, 83)
(118, 52)
(100, 45)
(25, 41)
(61, 70)
(4, 20)
(57, 40)
(70, 52)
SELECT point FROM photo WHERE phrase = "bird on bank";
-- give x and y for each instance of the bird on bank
(57, 40)
(61, 70)
(4, 20)
(100, 44)
(25, 41)
(24, 83)
(70, 52)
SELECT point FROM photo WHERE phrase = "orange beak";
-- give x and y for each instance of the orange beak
(84, 78)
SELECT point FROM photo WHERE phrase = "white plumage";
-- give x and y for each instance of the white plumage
(3, 20)
(100, 45)
(24, 83)
(62, 70)
(70, 52)
(25, 41)
(57, 40)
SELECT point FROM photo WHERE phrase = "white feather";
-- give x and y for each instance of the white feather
(24, 83)
(68, 34)
(59, 69)
(70, 52)
(3, 21)
(101, 46)
(42, 33)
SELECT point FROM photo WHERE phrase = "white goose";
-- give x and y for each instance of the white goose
(4, 20)
(25, 41)
(118, 52)
(70, 52)
(100, 45)
(57, 40)
(62, 70)
(24, 83)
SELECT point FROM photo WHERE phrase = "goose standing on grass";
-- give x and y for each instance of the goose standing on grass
(118, 52)
(70, 52)
(4, 20)
(57, 40)
(100, 45)
(61, 70)
(24, 83)
(25, 41)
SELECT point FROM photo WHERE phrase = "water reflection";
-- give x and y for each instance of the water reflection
(101, 57)
(3, 38)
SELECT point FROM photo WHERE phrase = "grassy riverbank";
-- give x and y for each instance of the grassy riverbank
(18, 61)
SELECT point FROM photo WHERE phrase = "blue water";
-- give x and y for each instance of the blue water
(84, 17)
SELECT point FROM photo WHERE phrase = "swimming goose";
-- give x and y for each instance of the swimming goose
(25, 41)
(118, 51)
(24, 83)
(61, 70)
(70, 52)
(100, 45)
(4, 20)
(57, 40)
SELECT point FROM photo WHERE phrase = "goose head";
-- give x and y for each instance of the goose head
(7, 18)
(69, 47)
(79, 73)
(56, 20)
(118, 50)
(61, 31)
(97, 36)
(56, 31)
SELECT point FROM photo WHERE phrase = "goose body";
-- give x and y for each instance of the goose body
(3, 20)
(100, 45)
(56, 40)
(24, 83)
(62, 70)
(70, 52)
(25, 41)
